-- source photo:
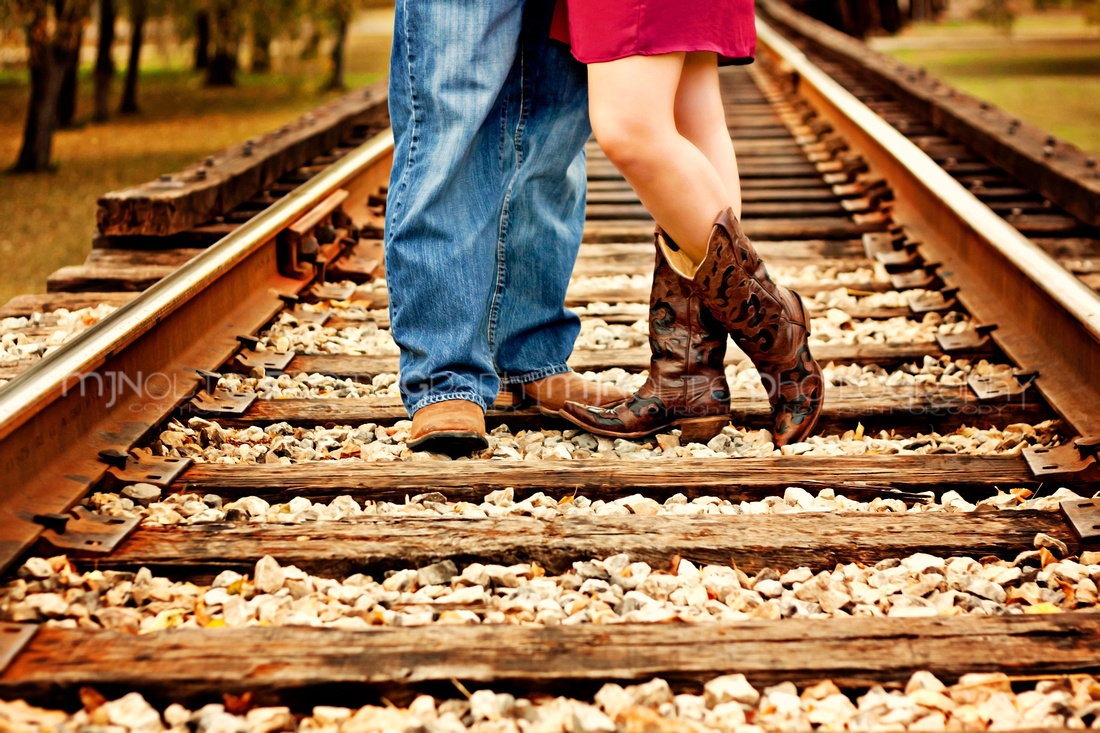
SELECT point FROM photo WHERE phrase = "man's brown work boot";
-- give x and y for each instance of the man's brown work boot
(453, 427)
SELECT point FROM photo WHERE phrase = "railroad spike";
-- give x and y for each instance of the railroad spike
(115, 457)
(210, 379)
(56, 522)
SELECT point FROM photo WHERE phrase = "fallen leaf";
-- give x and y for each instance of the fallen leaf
(1044, 607)
(91, 699)
(237, 705)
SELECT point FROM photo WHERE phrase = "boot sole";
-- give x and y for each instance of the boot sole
(453, 443)
(692, 429)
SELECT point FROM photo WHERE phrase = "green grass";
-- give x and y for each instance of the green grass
(1047, 24)
(1053, 85)
(49, 218)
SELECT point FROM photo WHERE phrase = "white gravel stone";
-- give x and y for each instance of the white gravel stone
(730, 688)
(268, 577)
(1053, 544)
(269, 720)
(143, 494)
(26, 339)
(986, 701)
(440, 572)
(134, 713)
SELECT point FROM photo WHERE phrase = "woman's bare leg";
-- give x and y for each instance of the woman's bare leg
(701, 118)
(632, 103)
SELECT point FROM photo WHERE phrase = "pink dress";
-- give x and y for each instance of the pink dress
(605, 30)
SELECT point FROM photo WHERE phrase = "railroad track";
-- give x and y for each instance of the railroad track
(208, 498)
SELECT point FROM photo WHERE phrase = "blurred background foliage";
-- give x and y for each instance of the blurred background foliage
(97, 95)
(145, 87)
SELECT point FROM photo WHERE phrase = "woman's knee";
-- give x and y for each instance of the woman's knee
(628, 139)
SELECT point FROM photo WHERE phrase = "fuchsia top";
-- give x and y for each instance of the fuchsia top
(605, 30)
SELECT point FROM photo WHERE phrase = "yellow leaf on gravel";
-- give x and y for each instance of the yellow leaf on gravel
(216, 623)
(1044, 607)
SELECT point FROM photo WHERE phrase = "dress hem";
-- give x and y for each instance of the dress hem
(723, 60)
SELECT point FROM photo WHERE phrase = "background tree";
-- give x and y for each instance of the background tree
(337, 16)
(202, 39)
(862, 18)
(53, 31)
(340, 12)
(1001, 14)
(66, 101)
(224, 31)
(268, 20)
(104, 62)
(138, 13)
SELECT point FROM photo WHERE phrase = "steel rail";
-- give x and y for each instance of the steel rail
(116, 381)
(88, 350)
(1047, 320)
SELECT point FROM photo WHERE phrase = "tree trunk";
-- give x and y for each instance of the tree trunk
(890, 14)
(66, 101)
(337, 55)
(50, 54)
(129, 91)
(223, 65)
(313, 44)
(104, 63)
(261, 51)
(202, 40)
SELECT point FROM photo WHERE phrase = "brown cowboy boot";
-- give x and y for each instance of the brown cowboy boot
(687, 385)
(766, 320)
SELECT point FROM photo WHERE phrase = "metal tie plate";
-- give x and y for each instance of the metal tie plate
(89, 533)
(995, 386)
(159, 471)
(1062, 460)
(875, 243)
(274, 360)
(922, 278)
(972, 341)
(932, 300)
(303, 316)
(900, 259)
(331, 291)
(222, 403)
(1084, 517)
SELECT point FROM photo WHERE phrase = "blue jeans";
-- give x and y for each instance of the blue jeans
(486, 201)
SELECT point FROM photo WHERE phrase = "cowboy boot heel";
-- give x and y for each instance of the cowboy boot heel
(700, 429)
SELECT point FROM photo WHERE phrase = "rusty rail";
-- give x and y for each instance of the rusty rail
(105, 389)
(1057, 169)
(1057, 335)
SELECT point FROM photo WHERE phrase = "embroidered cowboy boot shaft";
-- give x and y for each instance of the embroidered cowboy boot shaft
(767, 321)
(687, 385)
